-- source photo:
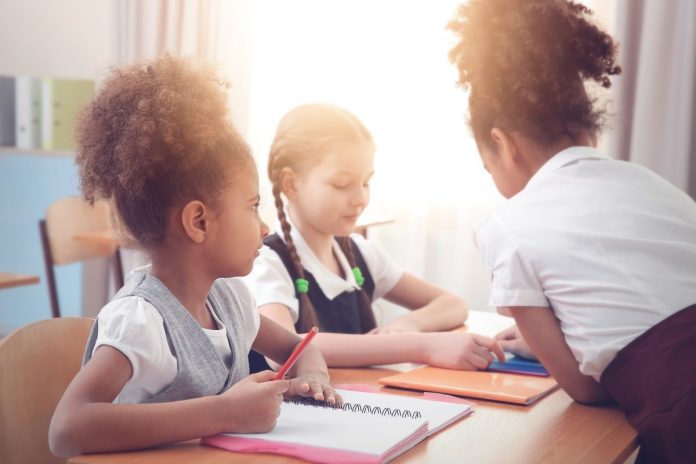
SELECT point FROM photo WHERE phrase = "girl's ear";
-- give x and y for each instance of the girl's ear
(195, 220)
(505, 145)
(288, 183)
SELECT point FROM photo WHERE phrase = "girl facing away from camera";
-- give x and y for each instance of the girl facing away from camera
(594, 258)
(167, 357)
(316, 272)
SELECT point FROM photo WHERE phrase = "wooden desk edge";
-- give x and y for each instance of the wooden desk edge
(8, 280)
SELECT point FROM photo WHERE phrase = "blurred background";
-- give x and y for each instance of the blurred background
(386, 61)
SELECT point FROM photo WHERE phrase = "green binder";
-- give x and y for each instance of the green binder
(62, 100)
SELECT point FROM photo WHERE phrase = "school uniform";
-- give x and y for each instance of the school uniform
(611, 248)
(172, 357)
(334, 298)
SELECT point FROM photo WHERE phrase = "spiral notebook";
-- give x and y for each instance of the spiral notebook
(370, 428)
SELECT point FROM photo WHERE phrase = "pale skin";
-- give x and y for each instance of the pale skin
(512, 161)
(191, 257)
(325, 201)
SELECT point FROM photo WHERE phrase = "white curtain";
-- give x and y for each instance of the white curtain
(215, 32)
(386, 62)
(656, 95)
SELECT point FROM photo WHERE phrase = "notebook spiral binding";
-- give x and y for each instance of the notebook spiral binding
(357, 407)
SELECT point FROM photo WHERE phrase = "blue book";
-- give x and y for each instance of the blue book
(516, 365)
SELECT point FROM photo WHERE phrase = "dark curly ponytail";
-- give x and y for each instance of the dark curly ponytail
(526, 62)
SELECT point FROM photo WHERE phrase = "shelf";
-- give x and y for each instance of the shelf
(5, 150)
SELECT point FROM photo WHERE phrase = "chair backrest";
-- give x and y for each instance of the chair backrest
(37, 362)
(72, 215)
(64, 219)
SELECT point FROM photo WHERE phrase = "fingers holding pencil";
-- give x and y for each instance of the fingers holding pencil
(312, 377)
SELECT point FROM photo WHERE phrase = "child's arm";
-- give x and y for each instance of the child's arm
(453, 350)
(432, 308)
(542, 332)
(311, 376)
(86, 420)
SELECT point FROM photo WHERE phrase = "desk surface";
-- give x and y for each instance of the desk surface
(553, 430)
(16, 280)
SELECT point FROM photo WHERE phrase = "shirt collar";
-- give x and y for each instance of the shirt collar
(564, 158)
(331, 284)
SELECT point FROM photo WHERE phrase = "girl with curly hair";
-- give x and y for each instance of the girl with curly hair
(594, 258)
(167, 357)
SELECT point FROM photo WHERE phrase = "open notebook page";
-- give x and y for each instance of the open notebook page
(372, 428)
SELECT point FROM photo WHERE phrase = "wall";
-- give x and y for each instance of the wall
(68, 39)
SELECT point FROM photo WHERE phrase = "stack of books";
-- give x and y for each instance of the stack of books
(41, 112)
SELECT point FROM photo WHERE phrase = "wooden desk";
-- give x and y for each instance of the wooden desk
(103, 237)
(553, 430)
(371, 220)
(17, 280)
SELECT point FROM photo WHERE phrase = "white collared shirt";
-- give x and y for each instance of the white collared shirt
(609, 245)
(271, 282)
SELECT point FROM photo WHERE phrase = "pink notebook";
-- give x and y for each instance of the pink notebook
(371, 428)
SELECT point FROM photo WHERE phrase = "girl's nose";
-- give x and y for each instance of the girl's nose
(361, 197)
(264, 228)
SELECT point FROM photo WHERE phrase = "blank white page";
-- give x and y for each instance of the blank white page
(327, 427)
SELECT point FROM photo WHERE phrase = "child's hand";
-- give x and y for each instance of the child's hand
(316, 385)
(253, 404)
(511, 340)
(456, 350)
(401, 324)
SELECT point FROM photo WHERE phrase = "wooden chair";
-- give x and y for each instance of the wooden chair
(37, 362)
(66, 218)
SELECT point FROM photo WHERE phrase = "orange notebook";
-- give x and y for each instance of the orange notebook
(497, 386)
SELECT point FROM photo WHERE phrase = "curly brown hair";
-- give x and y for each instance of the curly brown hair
(156, 136)
(525, 63)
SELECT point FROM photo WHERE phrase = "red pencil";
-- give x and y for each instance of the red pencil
(296, 354)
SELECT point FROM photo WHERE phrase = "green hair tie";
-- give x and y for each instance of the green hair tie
(302, 285)
(359, 279)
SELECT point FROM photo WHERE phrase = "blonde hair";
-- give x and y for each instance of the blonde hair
(302, 137)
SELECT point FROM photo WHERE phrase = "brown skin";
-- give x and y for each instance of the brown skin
(512, 162)
(188, 262)
(526, 65)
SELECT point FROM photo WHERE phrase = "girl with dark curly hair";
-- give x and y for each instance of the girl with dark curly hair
(167, 357)
(594, 258)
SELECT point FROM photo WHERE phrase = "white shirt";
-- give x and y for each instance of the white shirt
(609, 245)
(271, 282)
(135, 328)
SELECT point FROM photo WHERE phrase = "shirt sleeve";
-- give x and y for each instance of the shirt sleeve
(515, 282)
(135, 328)
(270, 282)
(251, 319)
(385, 272)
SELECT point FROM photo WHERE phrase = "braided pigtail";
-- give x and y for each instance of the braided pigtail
(302, 138)
(367, 316)
(307, 316)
